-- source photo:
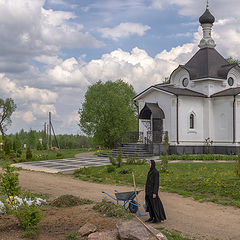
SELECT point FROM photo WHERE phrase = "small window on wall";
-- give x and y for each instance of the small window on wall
(191, 121)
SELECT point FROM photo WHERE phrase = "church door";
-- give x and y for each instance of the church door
(157, 130)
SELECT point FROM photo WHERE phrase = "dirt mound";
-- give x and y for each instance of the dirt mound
(69, 201)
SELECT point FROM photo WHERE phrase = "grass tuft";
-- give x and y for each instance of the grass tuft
(109, 209)
(69, 201)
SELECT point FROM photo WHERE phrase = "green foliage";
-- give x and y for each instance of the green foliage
(9, 183)
(29, 218)
(125, 171)
(112, 160)
(206, 181)
(29, 154)
(109, 209)
(108, 111)
(164, 162)
(111, 169)
(174, 236)
(72, 236)
(69, 201)
(119, 158)
(118, 161)
(7, 108)
(59, 155)
(7, 146)
(31, 138)
(237, 165)
(231, 60)
(134, 160)
(19, 152)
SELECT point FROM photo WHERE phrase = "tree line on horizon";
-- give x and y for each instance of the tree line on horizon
(37, 140)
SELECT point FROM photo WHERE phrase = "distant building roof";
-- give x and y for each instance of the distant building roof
(208, 63)
(227, 92)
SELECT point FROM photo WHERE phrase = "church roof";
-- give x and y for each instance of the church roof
(227, 92)
(208, 63)
(173, 90)
(207, 17)
(179, 91)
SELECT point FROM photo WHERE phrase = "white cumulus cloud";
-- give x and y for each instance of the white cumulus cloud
(28, 117)
(123, 30)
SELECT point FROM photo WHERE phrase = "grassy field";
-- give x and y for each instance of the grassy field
(214, 182)
(39, 155)
(203, 157)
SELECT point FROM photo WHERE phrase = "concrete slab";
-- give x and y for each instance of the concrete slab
(68, 165)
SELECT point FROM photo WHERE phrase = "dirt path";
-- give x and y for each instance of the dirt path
(206, 221)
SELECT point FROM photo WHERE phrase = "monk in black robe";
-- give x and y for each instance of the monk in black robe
(153, 202)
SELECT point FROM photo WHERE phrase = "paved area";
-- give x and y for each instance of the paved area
(68, 165)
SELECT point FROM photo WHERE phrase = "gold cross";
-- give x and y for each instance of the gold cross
(207, 4)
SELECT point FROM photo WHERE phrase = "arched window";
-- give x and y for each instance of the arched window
(191, 121)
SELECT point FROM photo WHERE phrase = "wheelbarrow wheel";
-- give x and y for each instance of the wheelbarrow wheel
(132, 206)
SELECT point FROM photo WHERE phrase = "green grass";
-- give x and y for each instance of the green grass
(215, 182)
(39, 155)
(109, 209)
(176, 235)
(203, 157)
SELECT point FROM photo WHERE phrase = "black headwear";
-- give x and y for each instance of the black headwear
(152, 165)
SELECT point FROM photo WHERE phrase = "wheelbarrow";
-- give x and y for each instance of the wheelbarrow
(127, 198)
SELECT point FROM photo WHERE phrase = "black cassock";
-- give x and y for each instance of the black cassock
(154, 205)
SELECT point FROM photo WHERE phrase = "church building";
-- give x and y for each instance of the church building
(199, 106)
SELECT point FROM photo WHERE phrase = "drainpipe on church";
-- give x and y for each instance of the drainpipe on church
(177, 119)
(234, 121)
(138, 114)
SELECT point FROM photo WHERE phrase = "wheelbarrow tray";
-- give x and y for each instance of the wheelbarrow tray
(126, 195)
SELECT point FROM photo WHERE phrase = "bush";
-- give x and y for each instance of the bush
(126, 171)
(112, 160)
(111, 169)
(59, 156)
(118, 161)
(9, 183)
(69, 201)
(119, 158)
(29, 154)
(29, 218)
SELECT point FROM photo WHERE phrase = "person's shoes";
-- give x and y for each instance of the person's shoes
(149, 220)
(154, 221)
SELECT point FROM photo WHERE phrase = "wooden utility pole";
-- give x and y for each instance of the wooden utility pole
(49, 127)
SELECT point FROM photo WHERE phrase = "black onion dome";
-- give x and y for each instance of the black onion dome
(207, 17)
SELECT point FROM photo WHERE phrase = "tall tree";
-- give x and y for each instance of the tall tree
(108, 111)
(7, 108)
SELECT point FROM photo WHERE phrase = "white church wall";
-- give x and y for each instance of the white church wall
(188, 106)
(237, 119)
(208, 87)
(223, 119)
(178, 76)
(235, 74)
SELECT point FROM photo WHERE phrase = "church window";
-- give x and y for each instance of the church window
(185, 82)
(230, 81)
(191, 121)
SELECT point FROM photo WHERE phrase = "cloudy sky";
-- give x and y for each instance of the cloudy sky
(52, 50)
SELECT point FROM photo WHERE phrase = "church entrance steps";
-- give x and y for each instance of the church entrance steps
(131, 150)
